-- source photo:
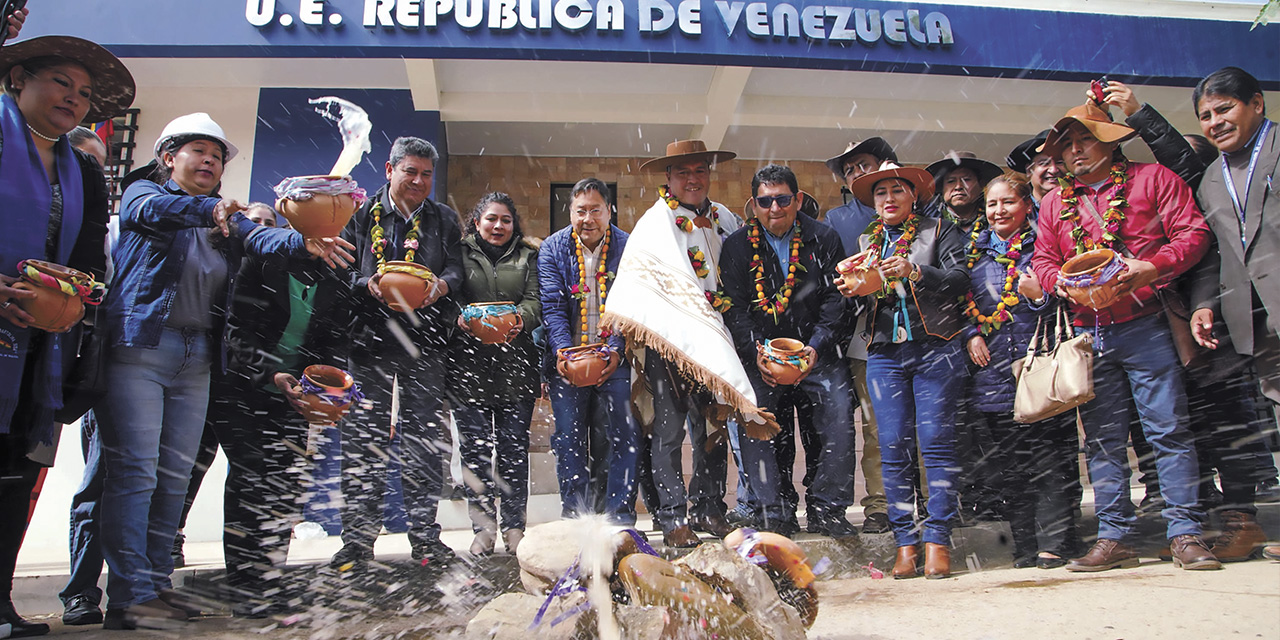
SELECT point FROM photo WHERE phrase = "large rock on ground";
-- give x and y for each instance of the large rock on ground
(509, 616)
(751, 587)
(549, 549)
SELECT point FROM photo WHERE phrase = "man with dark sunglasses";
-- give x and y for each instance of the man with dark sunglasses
(777, 273)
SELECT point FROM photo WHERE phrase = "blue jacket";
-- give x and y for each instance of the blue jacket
(557, 274)
(993, 385)
(157, 225)
(850, 220)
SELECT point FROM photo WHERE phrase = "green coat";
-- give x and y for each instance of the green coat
(497, 375)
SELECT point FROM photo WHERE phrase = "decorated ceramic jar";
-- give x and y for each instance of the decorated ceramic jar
(61, 294)
(1090, 278)
(785, 359)
(318, 206)
(860, 273)
(327, 393)
(491, 322)
(584, 366)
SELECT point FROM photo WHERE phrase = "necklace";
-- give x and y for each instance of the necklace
(41, 135)
(776, 304)
(580, 290)
(901, 248)
(1008, 298)
(1111, 219)
(380, 240)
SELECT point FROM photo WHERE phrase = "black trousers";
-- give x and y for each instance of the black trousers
(367, 444)
(267, 481)
(1030, 477)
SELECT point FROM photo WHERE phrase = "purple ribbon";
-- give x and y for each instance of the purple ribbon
(570, 582)
(350, 395)
(1102, 276)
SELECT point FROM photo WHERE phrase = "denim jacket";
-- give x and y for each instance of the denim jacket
(157, 225)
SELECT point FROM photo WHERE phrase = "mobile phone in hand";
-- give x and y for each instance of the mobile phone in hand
(8, 8)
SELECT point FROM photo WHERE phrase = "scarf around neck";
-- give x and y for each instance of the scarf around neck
(28, 202)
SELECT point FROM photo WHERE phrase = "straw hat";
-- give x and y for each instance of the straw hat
(113, 86)
(864, 187)
(877, 146)
(1097, 121)
(683, 151)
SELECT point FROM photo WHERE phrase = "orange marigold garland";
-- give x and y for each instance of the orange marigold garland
(580, 290)
(776, 304)
(901, 248)
(1008, 299)
(1112, 218)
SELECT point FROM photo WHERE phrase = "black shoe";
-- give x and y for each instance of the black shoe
(788, 528)
(351, 557)
(179, 559)
(876, 523)
(712, 524)
(1024, 562)
(1051, 562)
(740, 516)
(434, 552)
(81, 610)
(152, 614)
(1268, 492)
(835, 527)
(19, 628)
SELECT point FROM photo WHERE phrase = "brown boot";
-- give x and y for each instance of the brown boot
(1106, 554)
(905, 565)
(1190, 553)
(681, 536)
(1242, 539)
(937, 561)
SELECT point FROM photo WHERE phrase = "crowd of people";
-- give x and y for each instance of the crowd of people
(214, 308)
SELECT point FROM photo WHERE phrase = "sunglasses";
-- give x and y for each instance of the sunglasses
(784, 201)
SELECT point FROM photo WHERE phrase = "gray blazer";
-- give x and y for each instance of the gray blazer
(1227, 277)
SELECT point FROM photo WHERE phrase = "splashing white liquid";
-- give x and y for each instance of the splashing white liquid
(353, 124)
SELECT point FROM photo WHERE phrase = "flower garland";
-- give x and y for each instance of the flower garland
(380, 240)
(685, 223)
(580, 290)
(778, 303)
(698, 261)
(1112, 218)
(901, 248)
(719, 301)
(1008, 298)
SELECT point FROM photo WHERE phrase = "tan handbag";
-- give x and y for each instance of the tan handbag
(1056, 381)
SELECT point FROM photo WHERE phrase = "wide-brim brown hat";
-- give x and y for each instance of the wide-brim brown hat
(113, 86)
(683, 151)
(876, 146)
(864, 187)
(986, 171)
(1093, 118)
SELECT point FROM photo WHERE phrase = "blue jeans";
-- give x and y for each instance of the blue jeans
(831, 492)
(503, 432)
(914, 389)
(1138, 358)
(151, 419)
(85, 542)
(569, 404)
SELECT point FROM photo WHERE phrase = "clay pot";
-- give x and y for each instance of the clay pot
(52, 309)
(780, 356)
(1101, 266)
(492, 328)
(321, 215)
(584, 366)
(404, 285)
(335, 384)
(862, 279)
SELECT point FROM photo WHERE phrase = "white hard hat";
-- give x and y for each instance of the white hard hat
(199, 125)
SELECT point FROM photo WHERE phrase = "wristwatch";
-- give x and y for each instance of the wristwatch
(914, 276)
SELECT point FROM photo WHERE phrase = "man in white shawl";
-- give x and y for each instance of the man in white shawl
(665, 301)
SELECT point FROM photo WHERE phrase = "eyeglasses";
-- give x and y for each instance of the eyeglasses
(784, 201)
(588, 212)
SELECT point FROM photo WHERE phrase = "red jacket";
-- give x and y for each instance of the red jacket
(1162, 226)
